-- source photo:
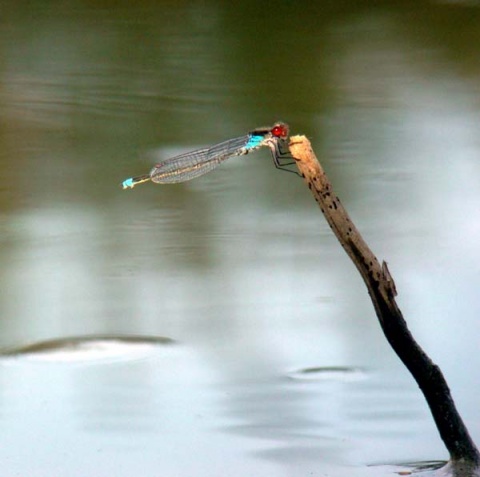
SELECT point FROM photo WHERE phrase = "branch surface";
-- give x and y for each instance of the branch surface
(381, 288)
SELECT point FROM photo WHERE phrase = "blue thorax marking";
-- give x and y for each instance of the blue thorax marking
(254, 141)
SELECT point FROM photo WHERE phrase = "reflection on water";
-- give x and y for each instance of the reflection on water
(238, 267)
(89, 348)
(341, 373)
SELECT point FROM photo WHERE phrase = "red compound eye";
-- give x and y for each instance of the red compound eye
(280, 130)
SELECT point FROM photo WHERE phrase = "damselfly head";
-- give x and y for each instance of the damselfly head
(280, 130)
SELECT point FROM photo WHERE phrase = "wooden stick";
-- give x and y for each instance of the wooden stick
(381, 288)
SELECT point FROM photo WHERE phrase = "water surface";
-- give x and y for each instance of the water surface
(216, 327)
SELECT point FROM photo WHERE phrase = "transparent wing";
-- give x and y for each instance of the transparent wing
(196, 163)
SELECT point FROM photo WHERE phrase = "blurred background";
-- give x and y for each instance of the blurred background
(255, 348)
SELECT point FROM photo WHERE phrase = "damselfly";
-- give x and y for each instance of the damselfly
(196, 163)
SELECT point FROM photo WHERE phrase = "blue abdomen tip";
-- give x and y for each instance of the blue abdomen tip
(128, 184)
